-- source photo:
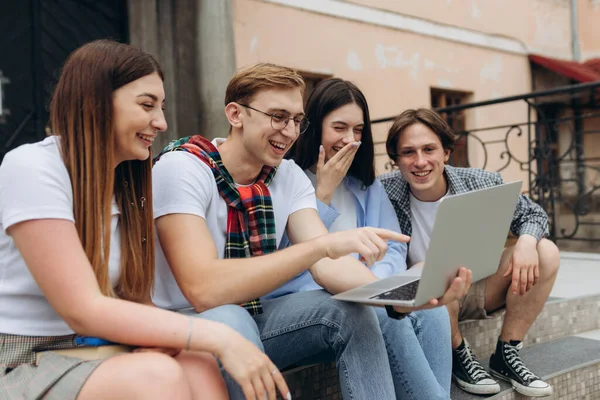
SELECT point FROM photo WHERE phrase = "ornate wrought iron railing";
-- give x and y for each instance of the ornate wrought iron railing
(556, 149)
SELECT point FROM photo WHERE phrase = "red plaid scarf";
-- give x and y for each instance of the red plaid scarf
(255, 237)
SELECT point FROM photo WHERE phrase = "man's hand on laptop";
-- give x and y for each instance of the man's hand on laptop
(524, 265)
(457, 290)
(370, 243)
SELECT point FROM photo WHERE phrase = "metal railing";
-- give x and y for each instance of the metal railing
(557, 147)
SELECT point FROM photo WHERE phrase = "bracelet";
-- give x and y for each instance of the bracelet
(189, 337)
(395, 314)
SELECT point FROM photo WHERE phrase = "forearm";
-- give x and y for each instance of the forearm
(235, 281)
(343, 274)
(529, 219)
(324, 195)
(142, 325)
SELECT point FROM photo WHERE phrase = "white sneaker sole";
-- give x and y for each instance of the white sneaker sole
(525, 390)
(476, 389)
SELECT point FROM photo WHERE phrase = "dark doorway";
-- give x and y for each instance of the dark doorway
(36, 36)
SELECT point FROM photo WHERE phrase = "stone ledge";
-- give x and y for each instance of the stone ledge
(582, 384)
(558, 319)
(318, 381)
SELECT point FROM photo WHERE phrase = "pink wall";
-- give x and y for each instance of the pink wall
(589, 28)
(396, 69)
(543, 25)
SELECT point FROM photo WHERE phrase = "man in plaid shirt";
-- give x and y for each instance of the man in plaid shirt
(419, 143)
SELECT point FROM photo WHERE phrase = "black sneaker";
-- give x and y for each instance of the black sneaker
(469, 374)
(506, 364)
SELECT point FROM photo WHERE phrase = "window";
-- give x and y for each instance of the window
(441, 98)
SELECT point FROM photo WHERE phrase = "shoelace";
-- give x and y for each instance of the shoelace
(512, 356)
(474, 369)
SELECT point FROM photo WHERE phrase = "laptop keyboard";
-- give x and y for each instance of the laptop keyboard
(404, 292)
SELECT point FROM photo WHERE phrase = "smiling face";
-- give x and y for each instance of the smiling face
(421, 160)
(264, 144)
(138, 117)
(340, 127)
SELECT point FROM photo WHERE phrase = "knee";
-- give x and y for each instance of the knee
(237, 318)
(549, 257)
(391, 326)
(203, 374)
(138, 376)
(438, 316)
(356, 313)
(352, 316)
(434, 319)
(165, 369)
(155, 372)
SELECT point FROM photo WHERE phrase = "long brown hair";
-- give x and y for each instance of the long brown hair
(81, 113)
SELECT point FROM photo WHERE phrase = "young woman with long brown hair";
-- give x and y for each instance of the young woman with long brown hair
(337, 154)
(77, 252)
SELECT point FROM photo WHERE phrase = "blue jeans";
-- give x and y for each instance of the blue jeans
(238, 319)
(420, 353)
(297, 327)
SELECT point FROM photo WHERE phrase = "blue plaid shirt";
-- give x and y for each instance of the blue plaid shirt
(529, 218)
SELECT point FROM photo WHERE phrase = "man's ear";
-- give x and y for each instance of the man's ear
(446, 155)
(233, 113)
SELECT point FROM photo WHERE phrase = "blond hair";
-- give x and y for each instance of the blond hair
(248, 81)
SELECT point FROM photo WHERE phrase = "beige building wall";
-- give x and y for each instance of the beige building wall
(589, 28)
(394, 68)
(538, 24)
(396, 51)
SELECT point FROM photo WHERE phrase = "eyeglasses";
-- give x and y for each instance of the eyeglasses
(280, 121)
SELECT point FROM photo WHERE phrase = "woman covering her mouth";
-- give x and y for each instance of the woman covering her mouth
(337, 154)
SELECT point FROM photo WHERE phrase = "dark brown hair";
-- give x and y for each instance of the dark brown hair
(328, 96)
(81, 113)
(424, 116)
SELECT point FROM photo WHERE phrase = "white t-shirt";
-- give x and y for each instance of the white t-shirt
(184, 184)
(35, 184)
(344, 202)
(422, 217)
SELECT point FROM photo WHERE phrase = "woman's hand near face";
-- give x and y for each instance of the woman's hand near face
(330, 174)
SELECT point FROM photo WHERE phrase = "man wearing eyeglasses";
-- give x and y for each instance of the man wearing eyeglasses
(221, 209)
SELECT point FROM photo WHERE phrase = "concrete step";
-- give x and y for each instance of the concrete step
(570, 364)
(313, 382)
(555, 347)
(559, 318)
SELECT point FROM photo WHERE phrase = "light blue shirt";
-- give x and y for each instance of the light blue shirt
(373, 209)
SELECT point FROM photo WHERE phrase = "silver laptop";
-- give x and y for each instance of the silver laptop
(470, 230)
